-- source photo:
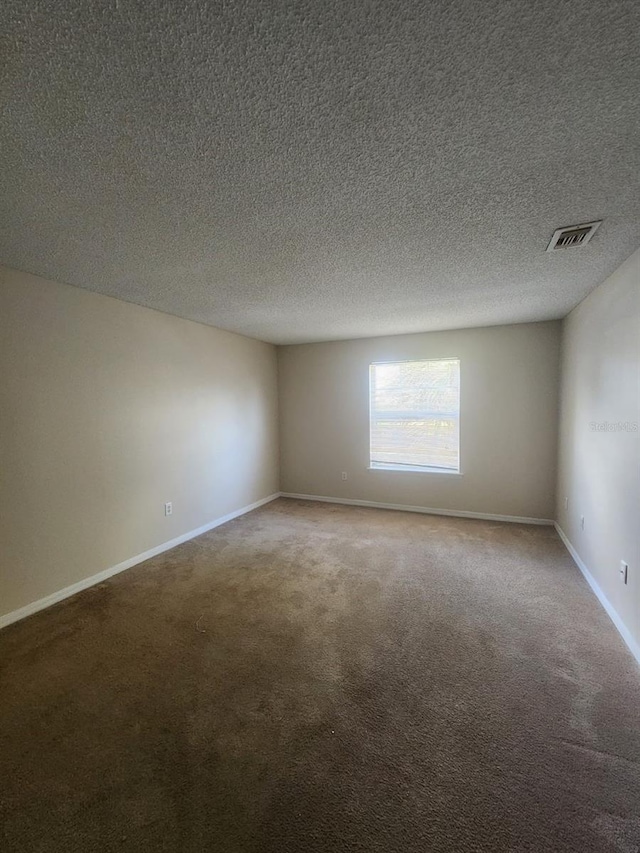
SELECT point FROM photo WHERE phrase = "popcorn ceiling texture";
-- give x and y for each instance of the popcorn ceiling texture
(315, 170)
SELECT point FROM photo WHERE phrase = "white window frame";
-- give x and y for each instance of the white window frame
(408, 468)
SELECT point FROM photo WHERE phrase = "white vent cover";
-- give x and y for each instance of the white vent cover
(573, 235)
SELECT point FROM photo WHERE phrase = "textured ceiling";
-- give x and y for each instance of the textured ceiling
(321, 169)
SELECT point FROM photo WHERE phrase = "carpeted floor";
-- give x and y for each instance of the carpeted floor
(318, 678)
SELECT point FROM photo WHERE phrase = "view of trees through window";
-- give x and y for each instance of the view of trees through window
(415, 414)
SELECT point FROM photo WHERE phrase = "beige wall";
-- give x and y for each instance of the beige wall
(107, 410)
(509, 391)
(599, 471)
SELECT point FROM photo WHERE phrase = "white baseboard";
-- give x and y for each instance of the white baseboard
(624, 632)
(68, 591)
(517, 519)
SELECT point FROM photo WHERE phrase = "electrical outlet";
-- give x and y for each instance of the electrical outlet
(168, 508)
(624, 572)
(344, 475)
(582, 522)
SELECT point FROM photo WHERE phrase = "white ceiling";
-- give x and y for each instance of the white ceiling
(321, 169)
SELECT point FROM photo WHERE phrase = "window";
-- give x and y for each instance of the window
(415, 415)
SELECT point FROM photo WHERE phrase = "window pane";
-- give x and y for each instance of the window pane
(415, 414)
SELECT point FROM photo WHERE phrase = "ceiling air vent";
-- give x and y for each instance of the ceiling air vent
(573, 235)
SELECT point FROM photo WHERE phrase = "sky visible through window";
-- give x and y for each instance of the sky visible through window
(415, 414)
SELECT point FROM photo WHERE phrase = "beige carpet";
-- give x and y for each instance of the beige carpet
(320, 678)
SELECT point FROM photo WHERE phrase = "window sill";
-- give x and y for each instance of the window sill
(416, 470)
